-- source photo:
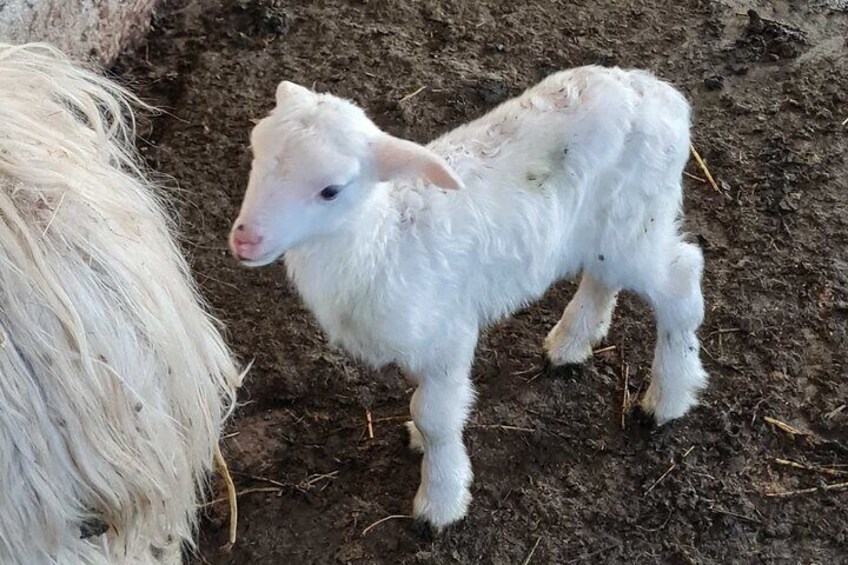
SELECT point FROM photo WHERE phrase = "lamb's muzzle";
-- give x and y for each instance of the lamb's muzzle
(245, 243)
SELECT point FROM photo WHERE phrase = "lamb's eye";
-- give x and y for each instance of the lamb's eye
(330, 192)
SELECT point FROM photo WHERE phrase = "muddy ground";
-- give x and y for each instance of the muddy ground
(557, 476)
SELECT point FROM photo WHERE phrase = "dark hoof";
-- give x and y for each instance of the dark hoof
(644, 424)
(640, 426)
(422, 530)
(566, 372)
(641, 419)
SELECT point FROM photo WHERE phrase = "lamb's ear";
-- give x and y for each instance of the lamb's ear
(395, 157)
(288, 89)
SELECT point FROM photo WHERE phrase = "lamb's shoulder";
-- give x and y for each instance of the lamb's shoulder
(377, 309)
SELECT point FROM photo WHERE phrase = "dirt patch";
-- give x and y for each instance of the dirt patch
(553, 467)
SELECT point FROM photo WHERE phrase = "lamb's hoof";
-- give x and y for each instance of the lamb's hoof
(446, 508)
(423, 531)
(415, 439)
(641, 420)
(569, 371)
(664, 410)
(572, 355)
(564, 349)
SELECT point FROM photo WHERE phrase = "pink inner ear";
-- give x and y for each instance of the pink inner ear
(392, 158)
(397, 157)
(437, 173)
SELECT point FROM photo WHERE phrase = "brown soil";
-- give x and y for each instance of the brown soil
(554, 468)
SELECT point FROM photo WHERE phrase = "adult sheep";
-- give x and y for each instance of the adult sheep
(114, 380)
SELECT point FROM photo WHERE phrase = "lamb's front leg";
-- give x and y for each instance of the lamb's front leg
(439, 409)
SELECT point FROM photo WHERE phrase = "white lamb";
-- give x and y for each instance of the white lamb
(114, 380)
(405, 252)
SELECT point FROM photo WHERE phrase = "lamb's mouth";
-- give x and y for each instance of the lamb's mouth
(262, 261)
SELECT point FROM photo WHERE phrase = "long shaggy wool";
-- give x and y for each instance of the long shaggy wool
(114, 379)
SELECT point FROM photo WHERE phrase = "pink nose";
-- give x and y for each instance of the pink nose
(244, 242)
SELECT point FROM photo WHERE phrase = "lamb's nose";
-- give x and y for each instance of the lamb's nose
(244, 242)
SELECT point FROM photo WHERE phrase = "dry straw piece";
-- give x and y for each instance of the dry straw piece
(704, 168)
(231, 497)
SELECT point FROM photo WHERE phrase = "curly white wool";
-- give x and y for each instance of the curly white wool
(114, 380)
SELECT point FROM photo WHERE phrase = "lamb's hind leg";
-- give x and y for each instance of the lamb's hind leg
(584, 323)
(677, 374)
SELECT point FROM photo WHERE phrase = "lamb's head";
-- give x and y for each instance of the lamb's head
(316, 160)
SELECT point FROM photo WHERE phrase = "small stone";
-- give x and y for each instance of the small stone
(755, 22)
(493, 90)
(715, 82)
